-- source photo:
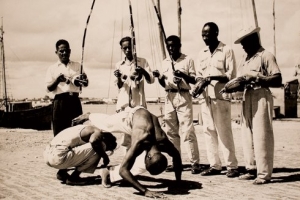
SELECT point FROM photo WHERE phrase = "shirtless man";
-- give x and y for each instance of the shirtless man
(146, 136)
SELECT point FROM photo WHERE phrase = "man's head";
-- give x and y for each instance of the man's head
(63, 51)
(110, 141)
(155, 162)
(173, 45)
(126, 46)
(210, 32)
(249, 39)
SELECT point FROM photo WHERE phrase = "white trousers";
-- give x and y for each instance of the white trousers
(179, 124)
(257, 131)
(83, 157)
(216, 115)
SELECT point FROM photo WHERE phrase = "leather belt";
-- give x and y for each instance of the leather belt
(175, 90)
(67, 94)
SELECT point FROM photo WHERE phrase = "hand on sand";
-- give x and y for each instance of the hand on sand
(155, 195)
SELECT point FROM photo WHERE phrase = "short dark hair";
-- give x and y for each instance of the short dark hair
(62, 41)
(156, 164)
(213, 26)
(110, 141)
(175, 39)
(124, 39)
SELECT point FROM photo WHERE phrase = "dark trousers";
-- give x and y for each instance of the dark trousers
(65, 108)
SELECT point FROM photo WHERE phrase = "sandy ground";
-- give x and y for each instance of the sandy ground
(24, 175)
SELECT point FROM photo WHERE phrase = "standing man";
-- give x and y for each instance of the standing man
(177, 73)
(260, 68)
(216, 65)
(64, 80)
(130, 80)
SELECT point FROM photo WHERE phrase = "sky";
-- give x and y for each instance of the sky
(32, 28)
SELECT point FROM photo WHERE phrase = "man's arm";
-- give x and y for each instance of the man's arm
(53, 86)
(160, 77)
(166, 146)
(129, 159)
(270, 81)
(188, 79)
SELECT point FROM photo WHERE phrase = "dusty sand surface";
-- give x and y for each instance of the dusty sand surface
(24, 175)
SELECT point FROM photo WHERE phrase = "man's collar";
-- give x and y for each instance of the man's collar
(219, 47)
(60, 63)
(182, 56)
(125, 58)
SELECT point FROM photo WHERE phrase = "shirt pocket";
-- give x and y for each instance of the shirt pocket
(202, 64)
(255, 66)
(220, 65)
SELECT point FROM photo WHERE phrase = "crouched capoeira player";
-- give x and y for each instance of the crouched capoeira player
(80, 146)
(148, 140)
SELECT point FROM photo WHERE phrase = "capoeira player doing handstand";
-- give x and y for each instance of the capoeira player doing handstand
(148, 140)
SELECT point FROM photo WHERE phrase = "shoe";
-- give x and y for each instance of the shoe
(62, 175)
(77, 181)
(247, 176)
(210, 171)
(259, 181)
(231, 173)
(196, 169)
(170, 168)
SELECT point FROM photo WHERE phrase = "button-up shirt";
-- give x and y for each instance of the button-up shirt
(127, 68)
(70, 72)
(263, 63)
(220, 62)
(185, 64)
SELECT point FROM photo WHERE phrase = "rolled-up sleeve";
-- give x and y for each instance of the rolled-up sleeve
(230, 64)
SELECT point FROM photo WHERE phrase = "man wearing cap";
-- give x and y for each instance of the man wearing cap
(148, 140)
(260, 68)
(216, 65)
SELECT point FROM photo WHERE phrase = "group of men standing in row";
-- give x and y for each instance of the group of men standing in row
(216, 66)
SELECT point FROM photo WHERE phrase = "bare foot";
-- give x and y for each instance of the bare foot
(104, 173)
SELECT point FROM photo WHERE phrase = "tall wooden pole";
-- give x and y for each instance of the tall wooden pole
(255, 18)
(161, 38)
(274, 35)
(179, 17)
(3, 65)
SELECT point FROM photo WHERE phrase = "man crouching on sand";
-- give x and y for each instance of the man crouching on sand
(148, 140)
(80, 146)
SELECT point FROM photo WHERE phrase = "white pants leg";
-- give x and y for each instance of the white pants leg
(139, 167)
(179, 124)
(257, 130)
(217, 128)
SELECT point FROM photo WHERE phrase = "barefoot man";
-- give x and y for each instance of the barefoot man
(148, 140)
(80, 146)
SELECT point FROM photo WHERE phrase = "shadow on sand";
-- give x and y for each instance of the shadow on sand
(287, 178)
(165, 186)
